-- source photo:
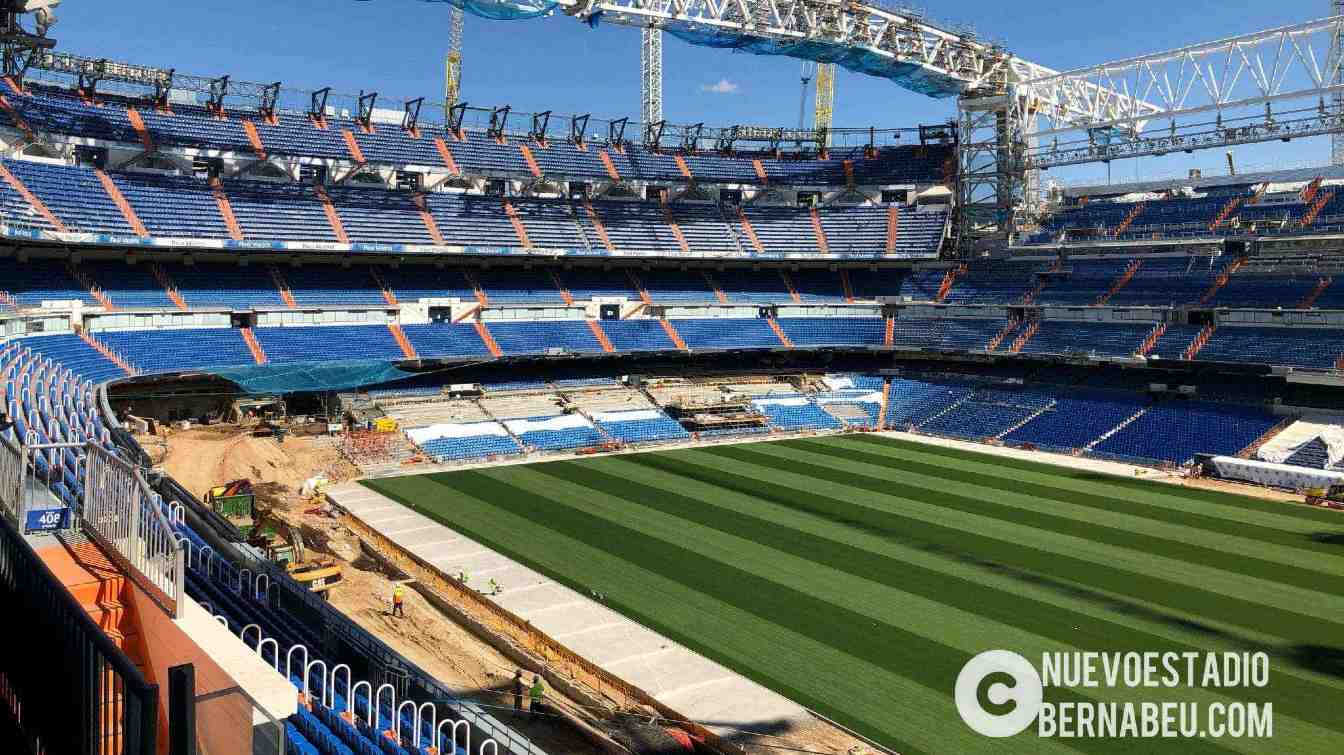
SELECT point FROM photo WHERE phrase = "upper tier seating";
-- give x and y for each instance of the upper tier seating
(270, 212)
(57, 111)
(1104, 339)
(1295, 347)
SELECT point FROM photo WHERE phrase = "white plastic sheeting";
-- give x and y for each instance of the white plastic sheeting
(630, 415)
(420, 435)
(853, 397)
(1275, 475)
(1299, 434)
(793, 401)
(563, 422)
(838, 382)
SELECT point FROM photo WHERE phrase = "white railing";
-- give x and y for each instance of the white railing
(124, 515)
(12, 469)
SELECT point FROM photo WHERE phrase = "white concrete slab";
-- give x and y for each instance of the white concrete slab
(693, 685)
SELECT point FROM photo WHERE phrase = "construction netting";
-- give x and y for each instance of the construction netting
(509, 10)
(297, 377)
(911, 76)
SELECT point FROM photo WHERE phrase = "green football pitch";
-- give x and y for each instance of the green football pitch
(857, 574)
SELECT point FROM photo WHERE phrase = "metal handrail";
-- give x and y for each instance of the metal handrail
(13, 477)
(123, 514)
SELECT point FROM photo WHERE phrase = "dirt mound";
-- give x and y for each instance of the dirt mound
(203, 457)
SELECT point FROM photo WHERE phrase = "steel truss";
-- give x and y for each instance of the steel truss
(1150, 97)
(1336, 53)
(900, 38)
(651, 75)
(991, 184)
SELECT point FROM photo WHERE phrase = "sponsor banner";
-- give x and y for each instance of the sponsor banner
(107, 239)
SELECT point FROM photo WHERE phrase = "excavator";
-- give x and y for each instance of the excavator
(273, 538)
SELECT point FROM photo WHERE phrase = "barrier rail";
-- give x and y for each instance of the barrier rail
(124, 515)
(68, 689)
(12, 478)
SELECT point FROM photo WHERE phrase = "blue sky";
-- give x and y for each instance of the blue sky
(396, 47)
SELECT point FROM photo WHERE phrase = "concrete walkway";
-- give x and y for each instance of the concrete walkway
(685, 681)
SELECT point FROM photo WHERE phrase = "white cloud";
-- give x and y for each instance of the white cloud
(724, 86)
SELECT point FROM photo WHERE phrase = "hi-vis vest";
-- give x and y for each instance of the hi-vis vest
(397, 593)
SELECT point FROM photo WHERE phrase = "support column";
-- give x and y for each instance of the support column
(991, 183)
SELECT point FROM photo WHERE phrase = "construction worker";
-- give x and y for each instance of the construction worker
(537, 692)
(518, 688)
(398, 598)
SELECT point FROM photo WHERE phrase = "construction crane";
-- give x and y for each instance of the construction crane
(809, 70)
(823, 106)
(452, 64)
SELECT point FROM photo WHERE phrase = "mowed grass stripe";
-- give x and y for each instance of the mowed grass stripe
(721, 613)
(1237, 550)
(920, 713)
(1062, 628)
(917, 725)
(1127, 513)
(930, 524)
(1220, 505)
(922, 659)
(886, 605)
(1171, 627)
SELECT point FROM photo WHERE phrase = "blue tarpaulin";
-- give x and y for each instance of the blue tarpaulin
(294, 377)
(911, 76)
(509, 10)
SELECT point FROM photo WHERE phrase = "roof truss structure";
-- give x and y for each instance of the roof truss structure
(1127, 96)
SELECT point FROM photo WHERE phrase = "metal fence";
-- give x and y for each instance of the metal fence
(69, 689)
(123, 515)
(12, 469)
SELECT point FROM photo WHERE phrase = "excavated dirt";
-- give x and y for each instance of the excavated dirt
(203, 457)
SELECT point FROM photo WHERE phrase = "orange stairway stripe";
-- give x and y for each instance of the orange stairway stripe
(749, 229)
(893, 229)
(760, 171)
(673, 334)
(31, 198)
(119, 200)
(530, 159)
(821, 232)
(226, 209)
(601, 336)
(518, 228)
(254, 138)
(138, 124)
(427, 218)
(447, 156)
(609, 165)
(352, 145)
(597, 225)
(333, 217)
(683, 167)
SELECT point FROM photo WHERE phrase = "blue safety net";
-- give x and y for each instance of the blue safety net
(911, 76)
(294, 377)
(502, 10)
